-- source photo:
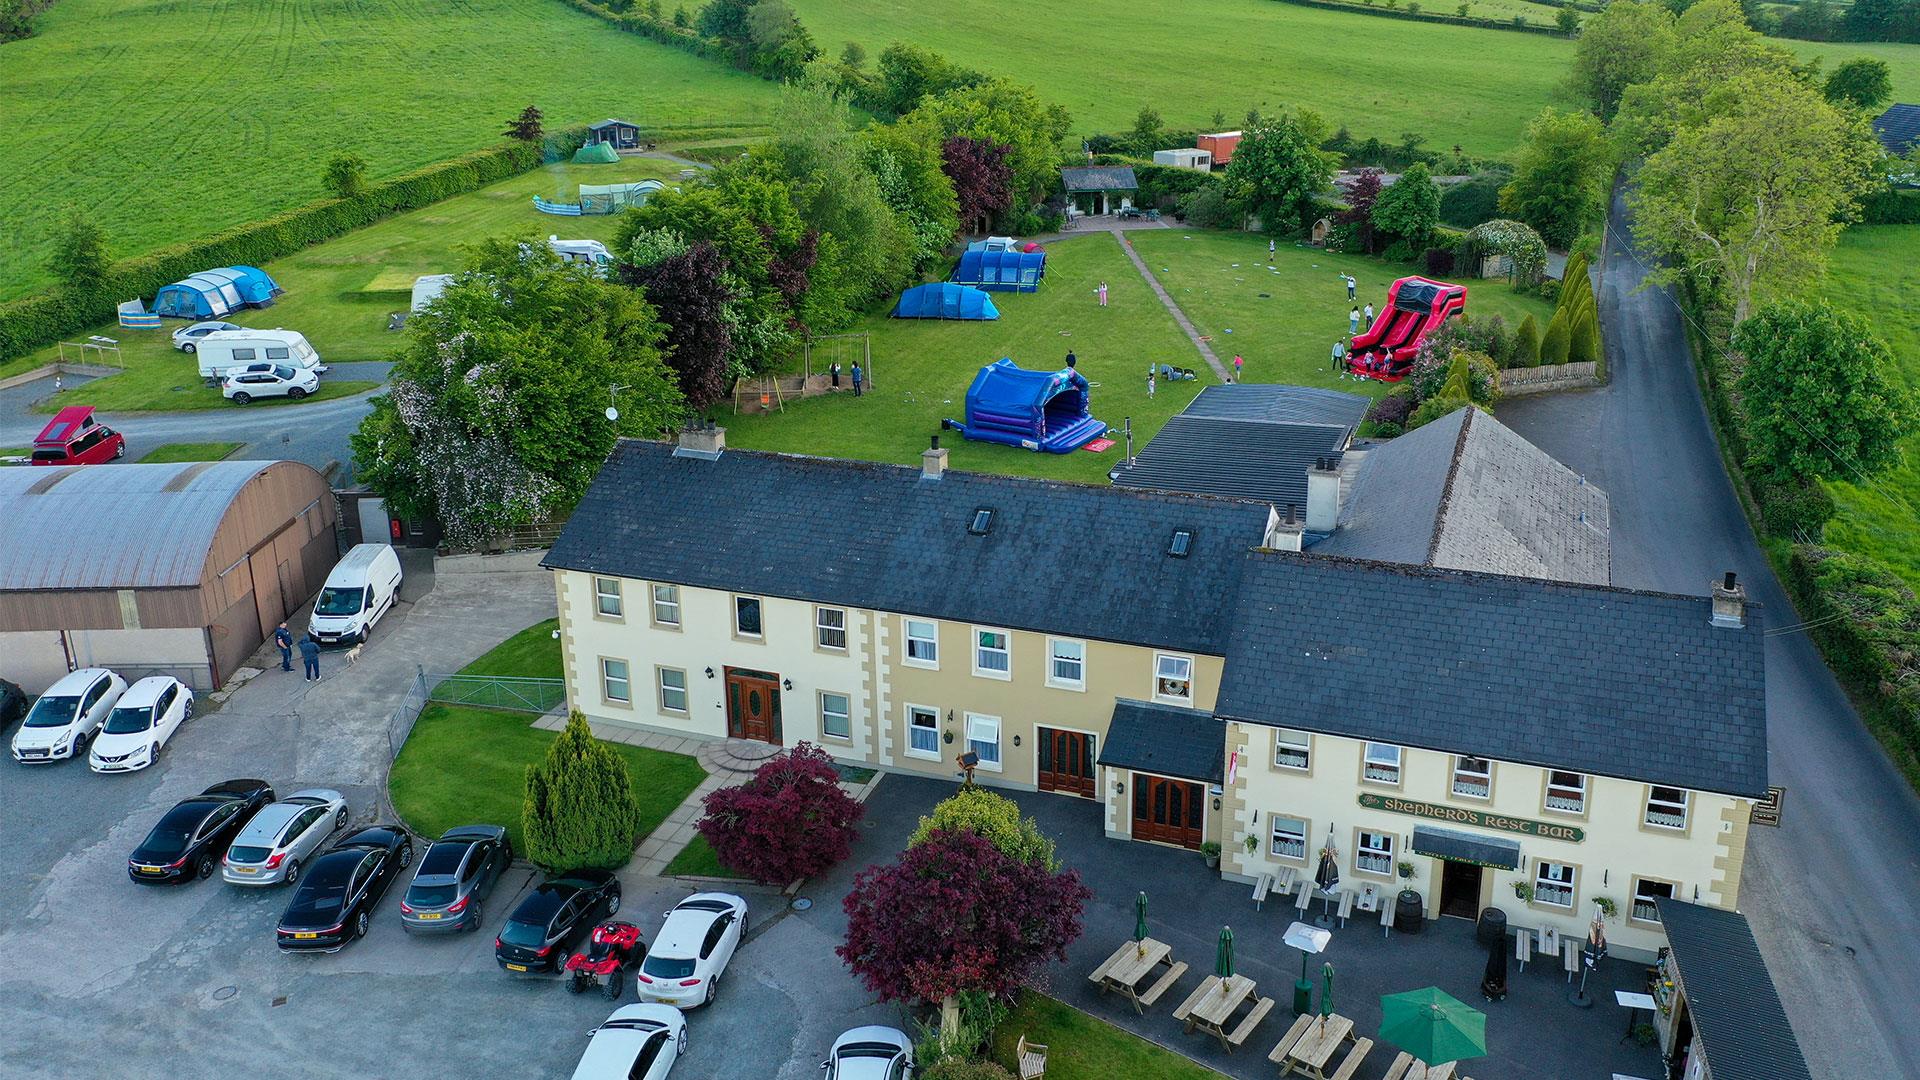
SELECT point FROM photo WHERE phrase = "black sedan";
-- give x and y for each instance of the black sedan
(334, 901)
(190, 838)
(550, 922)
(13, 704)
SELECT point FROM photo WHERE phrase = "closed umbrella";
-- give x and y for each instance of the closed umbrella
(1223, 959)
(1140, 924)
(1326, 879)
(1326, 993)
(1433, 1025)
(1493, 984)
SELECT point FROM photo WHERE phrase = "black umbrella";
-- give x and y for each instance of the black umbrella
(1493, 985)
(1326, 879)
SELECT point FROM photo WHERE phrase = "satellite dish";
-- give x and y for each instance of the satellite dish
(613, 413)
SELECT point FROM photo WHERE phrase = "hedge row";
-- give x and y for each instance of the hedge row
(38, 321)
(685, 39)
(1891, 206)
(1430, 17)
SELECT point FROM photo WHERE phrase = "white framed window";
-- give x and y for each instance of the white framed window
(1373, 853)
(923, 732)
(1067, 663)
(983, 738)
(1381, 764)
(923, 643)
(1566, 792)
(666, 605)
(1289, 837)
(830, 627)
(992, 653)
(1647, 893)
(1667, 807)
(1553, 883)
(606, 597)
(1473, 777)
(836, 713)
(1173, 678)
(746, 617)
(616, 681)
(1293, 749)
(673, 690)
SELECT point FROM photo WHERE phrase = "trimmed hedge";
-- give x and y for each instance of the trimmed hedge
(636, 22)
(1430, 17)
(1891, 206)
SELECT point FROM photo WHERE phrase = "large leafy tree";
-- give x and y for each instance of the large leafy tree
(1860, 83)
(911, 73)
(907, 164)
(982, 180)
(1004, 114)
(690, 291)
(1559, 185)
(1279, 170)
(791, 821)
(580, 810)
(1410, 208)
(1360, 194)
(992, 817)
(1712, 48)
(82, 258)
(1821, 393)
(1883, 20)
(1620, 45)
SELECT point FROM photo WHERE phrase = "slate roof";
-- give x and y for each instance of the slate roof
(1736, 1008)
(1166, 740)
(1280, 404)
(1898, 129)
(1634, 685)
(1061, 558)
(1467, 493)
(1100, 178)
(1242, 459)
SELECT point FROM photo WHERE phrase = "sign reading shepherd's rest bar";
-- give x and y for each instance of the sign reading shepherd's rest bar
(1462, 816)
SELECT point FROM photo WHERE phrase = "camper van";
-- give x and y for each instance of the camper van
(584, 252)
(225, 349)
(362, 587)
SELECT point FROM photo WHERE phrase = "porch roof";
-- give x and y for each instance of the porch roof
(1166, 740)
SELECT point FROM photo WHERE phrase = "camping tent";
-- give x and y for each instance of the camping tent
(945, 300)
(1002, 271)
(213, 293)
(613, 198)
(1040, 410)
(596, 153)
(995, 243)
(256, 288)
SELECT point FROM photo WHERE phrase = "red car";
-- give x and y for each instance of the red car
(73, 437)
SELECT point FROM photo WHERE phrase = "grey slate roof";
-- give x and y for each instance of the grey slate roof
(1467, 493)
(1242, 459)
(1736, 1008)
(1280, 404)
(1898, 129)
(1166, 740)
(1063, 558)
(168, 512)
(1635, 685)
(1100, 178)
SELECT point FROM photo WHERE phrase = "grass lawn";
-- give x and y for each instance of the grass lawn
(922, 369)
(1087, 1048)
(190, 451)
(698, 860)
(170, 121)
(533, 653)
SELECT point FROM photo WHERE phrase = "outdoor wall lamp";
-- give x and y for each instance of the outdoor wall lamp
(947, 737)
(1216, 804)
(787, 683)
(1119, 787)
(1016, 740)
(709, 673)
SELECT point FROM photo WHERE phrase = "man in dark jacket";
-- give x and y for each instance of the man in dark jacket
(310, 655)
(283, 638)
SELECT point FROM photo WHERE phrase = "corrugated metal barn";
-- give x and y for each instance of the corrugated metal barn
(180, 570)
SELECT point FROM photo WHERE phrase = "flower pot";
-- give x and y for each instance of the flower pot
(1213, 861)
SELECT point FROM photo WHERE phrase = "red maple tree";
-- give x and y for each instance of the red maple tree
(791, 821)
(982, 179)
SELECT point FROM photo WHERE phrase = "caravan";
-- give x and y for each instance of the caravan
(224, 349)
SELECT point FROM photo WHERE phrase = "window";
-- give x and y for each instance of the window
(606, 597)
(1553, 884)
(1667, 807)
(673, 689)
(1289, 837)
(666, 605)
(923, 643)
(1473, 777)
(1173, 678)
(835, 713)
(242, 354)
(1382, 764)
(277, 352)
(830, 627)
(1067, 663)
(1646, 893)
(1566, 792)
(1293, 750)
(982, 521)
(1181, 544)
(991, 654)
(923, 732)
(983, 738)
(615, 685)
(1373, 854)
(746, 616)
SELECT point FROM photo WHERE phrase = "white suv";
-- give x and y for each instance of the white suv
(241, 385)
(67, 715)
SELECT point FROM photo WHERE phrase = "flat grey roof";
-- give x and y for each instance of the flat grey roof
(1736, 1008)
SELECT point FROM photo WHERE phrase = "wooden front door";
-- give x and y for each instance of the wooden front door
(753, 705)
(1169, 811)
(1066, 761)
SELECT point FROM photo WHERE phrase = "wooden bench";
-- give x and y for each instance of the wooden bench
(1165, 983)
(1386, 916)
(1570, 957)
(1185, 1008)
(1305, 899)
(1262, 885)
(1523, 947)
(1346, 905)
(1032, 1058)
(1283, 881)
(1278, 1055)
(1099, 976)
(1259, 1013)
(1399, 1067)
(1354, 1057)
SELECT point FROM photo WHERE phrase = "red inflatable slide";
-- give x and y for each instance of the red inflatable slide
(1415, 308)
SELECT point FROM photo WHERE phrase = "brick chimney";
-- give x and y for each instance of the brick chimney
(1285, 533)
(1323, 495)
(1729, 602)
(702, 439)
(933, 461)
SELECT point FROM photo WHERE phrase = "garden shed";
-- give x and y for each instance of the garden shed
(619, 134)
(1100, 189)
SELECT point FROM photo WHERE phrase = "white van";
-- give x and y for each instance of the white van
(362, 587)
(225, 349)
(583, 252)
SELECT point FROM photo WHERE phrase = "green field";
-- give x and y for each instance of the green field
(190, 451)
(1085, 1047)
(171, 119)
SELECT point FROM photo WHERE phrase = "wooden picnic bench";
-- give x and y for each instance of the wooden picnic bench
(1352, 1063)
(1305, 900)
(1159, 988)
(1252, 1020)
(1346, 905)
(1386, 917)
(1570, 957)
(1130, 964)
(1278, 1055)
(1398, 1070)
(1523, 947)
(1262, 885)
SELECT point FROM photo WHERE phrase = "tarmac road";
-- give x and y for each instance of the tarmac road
(1833, 894)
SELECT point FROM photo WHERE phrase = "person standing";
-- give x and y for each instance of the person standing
(1149, 384)
(835, 369)
(310, 656)
(1236, 367)
(1339, 355)
(1350, 285)
(859, 379)
(1072, 360)
(1270, 250)
(283, 638)
(1103, 294)
(1353, 322)
(1369, 314)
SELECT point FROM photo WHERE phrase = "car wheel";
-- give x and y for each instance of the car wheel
(713, 987)
(187, 713)
(204, 868)
(120, 451)
(406, 856)
(616, 981)
(613, 904)
(340, 820)
(360, 924)
(241, 397)
(473, 921)
(680, 1050)
(293, 872)
(296, 393)
(189, 348)
(80, 745)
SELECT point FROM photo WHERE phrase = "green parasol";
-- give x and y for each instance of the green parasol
(1140, 917)
(1223, 960)
(1433, 1025)
(1326, 995)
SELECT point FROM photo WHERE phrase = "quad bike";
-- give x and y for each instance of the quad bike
(616, 948)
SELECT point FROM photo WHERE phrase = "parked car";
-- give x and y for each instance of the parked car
(141, 722)
(74, 437)
(225, 349)
(187, 338)
(187, 842)
(455, 877)
(543, 931)
(700, 935)
(66, 716)
(334, 903)
(361, 588)
(870, 1053)
(638, 1042)
(242, 385)
(13, 703)
(282, 836)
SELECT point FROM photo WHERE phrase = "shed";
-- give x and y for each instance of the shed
(1099, 189)
(224, 551)
(1189, 158)
(945, 300)
(1001, 271)
(1220, 144)
(1716, 1008)
(1898, 129)
(619, 134)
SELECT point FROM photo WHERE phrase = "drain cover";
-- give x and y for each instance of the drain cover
(801, 903)
(279, 1001)
(225, 992)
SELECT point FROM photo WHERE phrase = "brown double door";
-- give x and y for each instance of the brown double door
(1169, 811)
(753, 705)
(1066, 761)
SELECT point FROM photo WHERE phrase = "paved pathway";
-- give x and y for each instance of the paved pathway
(1186, 325)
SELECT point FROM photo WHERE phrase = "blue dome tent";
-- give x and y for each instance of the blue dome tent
(256, 287)
(1001, 271)
(210, 294)
(1040, 410)
(945, 300)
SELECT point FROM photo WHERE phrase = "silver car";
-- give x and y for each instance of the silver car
(454, 878)
(272, 846)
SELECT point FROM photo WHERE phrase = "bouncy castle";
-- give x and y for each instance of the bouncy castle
(1415, 308)
(1040, 410)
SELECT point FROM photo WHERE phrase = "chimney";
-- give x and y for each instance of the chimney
(1285, 533)
(1729, 602)
(933, 461)
(702, 439)
(1323, 495)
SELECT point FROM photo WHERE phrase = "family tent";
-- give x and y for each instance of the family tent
(213, 293)
(1039, 410)
(1001, 271)
(596, 153)
(945, 300)
(613, 198)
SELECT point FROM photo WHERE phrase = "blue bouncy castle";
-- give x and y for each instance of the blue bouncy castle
(1040, 410)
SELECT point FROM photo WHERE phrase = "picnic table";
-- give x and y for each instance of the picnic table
(1211, 1007)
(1131, 964)
(1317, 1045)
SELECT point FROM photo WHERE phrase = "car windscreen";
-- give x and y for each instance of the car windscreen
(248, 854)
(169, 838)
(431, 895)
(53, 711)
(129, 721)
(664, 967)
(525, 935)
(338, 602)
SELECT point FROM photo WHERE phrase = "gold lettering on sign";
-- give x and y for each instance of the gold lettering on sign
(1547, 830)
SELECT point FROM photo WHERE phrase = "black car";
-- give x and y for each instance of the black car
(544, 929)
(455, 877)
(334, 901)
(190, 838)
(13, 704)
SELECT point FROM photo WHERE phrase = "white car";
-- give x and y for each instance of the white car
(67, 715)
(638, 1042)
(187, 338)
(141, 722)
(241, 385)
(273, 843)
(870, 1053)
(684, 963)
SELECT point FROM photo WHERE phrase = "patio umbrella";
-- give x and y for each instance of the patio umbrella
(1433, 1025)
(1223, 959)
(1140, 917)
(1327, 878)
(1326, 994)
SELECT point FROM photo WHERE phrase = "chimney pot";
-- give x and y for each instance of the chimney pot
(1285, 534)
(1729, 602)
(935, 445)
(1730, 581)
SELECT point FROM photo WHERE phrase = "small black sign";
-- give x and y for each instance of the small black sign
(1767, 810)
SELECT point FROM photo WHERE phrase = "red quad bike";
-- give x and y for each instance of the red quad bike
(616, 949)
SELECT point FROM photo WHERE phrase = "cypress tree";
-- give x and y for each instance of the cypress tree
(1559, 338)
(1526, 346)
(1583, 337)
(580, 810)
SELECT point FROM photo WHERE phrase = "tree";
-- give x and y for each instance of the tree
(1810, 20)
(526, 126)
(690, 292)
(580, 811)
(1712, 50)
(909, 74)
(725, 20)
(1527, 343)
(995, 819)
(1622, 44)
(1361, 193)
(1567, 20)
(1559, 185)
(1883, 20)
(1218, 122)
(1558, 340)
(1583, 335)
(982, 180)
(1005, 114)
(791, 821)
(680, 20)
(345, 175)
(908, 163)
(780, 47)
(1821, 394)
(1410, 209)
(1278, 171)
(1146, 129)
(1860, 83)
(81, 259)
(854, 55)
(653, 10)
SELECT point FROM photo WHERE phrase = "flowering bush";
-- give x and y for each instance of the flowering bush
(792, 820)
(1515, 239)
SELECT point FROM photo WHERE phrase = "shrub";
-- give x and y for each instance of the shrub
(82, 260)
(1558, 340)
(1211, 208)
(995, 819)
(1548, 289)
(580, 811)
(1399, 251)
(1526, 343)
(1499, 340)
(1439, 261)
(791, 821)
(1797, 507)
(1434, 408)
(346, 176)
(1583, 341)
(1394, 408)
(962, 1069)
